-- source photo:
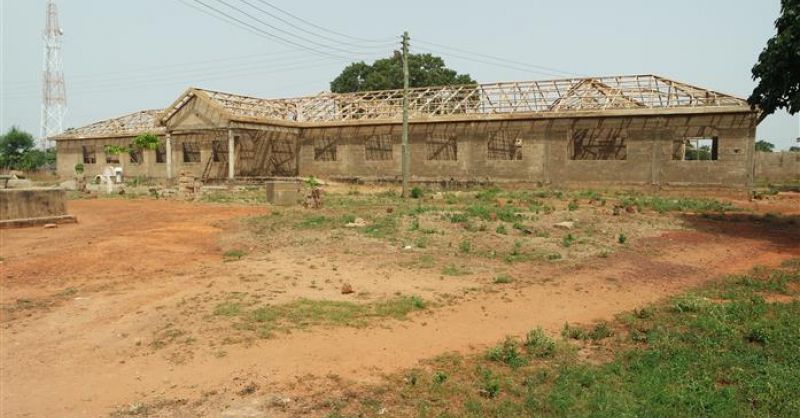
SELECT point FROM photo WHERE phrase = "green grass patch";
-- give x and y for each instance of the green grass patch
(721, 350)
(302, 313)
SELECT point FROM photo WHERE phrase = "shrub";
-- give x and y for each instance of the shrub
(539, 344)
(622, 239)
(439, 377)
(416, 193)
(507, 353)
(568, 240)
(79, 168)
(572, 332)
(601, 331)
(572, 206)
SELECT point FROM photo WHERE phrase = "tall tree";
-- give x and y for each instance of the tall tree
(764, 146)
(778, 68)
(387, 73)
(14, 145)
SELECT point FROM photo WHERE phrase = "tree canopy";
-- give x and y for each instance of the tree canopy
(778, 68)
(17, 151)
(765, 146)
(387, 73)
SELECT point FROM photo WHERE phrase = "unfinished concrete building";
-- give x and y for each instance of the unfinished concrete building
(625, 131)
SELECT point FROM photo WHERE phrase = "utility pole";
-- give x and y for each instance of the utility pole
(54, 96)
(406, 160)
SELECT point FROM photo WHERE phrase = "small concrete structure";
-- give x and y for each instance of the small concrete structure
(284, 193)
(33, 206)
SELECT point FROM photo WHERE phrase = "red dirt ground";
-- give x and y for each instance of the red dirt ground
(134, 259)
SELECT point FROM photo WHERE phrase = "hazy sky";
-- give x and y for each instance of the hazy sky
(123, 55)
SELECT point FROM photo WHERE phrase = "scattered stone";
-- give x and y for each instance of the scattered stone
(407, 247)
(50, 226)
(389, 210)
(438, 196)
(501, 203)
(617, 210)
(630, 209)
(357, 223)
(564, 225)
(347, 289)
(249, 389)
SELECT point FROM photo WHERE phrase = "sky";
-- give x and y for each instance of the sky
(121, 56)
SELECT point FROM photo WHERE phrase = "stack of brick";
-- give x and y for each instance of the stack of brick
(189, 187)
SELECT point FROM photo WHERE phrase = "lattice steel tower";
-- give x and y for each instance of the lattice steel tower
(54, 96)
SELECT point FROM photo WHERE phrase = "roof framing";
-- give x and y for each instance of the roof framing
(572, 97)
(131, 124)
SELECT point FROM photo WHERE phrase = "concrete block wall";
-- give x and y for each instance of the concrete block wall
(546, 156)
(777, 167)
(546, 151)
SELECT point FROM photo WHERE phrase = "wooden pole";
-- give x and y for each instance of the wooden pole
(406, 159)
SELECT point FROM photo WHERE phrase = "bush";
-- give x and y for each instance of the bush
(416, 193)
(601, 331)
(539, 344)
(79, 168)
(572, 332)
(507, 353)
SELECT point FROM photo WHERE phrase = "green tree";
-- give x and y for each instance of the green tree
(387, 73)
(14, 145)
(778, 68)
(764, 146)
(794, 148)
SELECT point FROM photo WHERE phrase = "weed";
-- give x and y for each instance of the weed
(452, 270)
(568, 240)
(622, 239)
(572, 206)
(507, 353)
(539, 344)
(490, 385)
(382, 228)
(313, 222)
(689, 304)
(503, 279)
(600, 331)
(465, 246)
(231, 255)
(554, 256)
(573, 332)
(501, 229)
(439, 377)
(228, 309)
(416, 193)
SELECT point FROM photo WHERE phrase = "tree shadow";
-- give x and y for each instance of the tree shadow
(783, 231)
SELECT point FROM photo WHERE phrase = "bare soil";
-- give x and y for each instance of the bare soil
(117, 312)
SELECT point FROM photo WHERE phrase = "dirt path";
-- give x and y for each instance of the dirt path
(77, 359)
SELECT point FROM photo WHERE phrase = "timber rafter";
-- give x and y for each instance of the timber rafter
(572, 97)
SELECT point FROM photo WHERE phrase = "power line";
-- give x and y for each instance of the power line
(512, 62)
(275, 28)
(321, 27)
(312, 33)
(181, 81)
(497, 64)
(147, 72)
(264, 33)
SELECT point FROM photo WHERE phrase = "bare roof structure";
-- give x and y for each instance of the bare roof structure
(127, 125)
(590, 96)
